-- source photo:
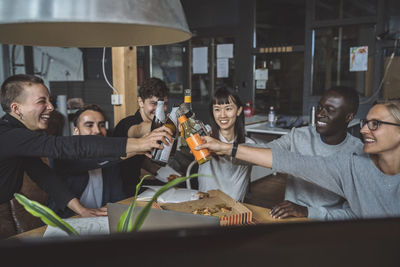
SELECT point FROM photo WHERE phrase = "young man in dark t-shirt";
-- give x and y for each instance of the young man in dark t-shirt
(137, 125)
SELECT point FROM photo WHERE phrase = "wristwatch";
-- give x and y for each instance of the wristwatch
(234, 149)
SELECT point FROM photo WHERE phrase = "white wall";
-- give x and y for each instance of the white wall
(58, 64)
(52, 63)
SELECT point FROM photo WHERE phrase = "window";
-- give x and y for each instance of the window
(167, 65)
(275, 33)
(344, 9)
(204, 85)
(331, 60)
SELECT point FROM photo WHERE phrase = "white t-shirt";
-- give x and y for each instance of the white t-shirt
(92, 197)
(230, 175)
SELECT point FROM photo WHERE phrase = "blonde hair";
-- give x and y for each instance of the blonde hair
(393, 106)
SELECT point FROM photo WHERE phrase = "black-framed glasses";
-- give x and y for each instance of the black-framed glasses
(374, 124)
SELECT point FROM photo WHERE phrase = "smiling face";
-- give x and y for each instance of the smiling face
(332, 115)
(225, 115)
(148, 107)
(91, 122)
(33, 107)
(385, 139)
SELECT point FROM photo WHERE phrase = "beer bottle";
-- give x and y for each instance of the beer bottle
(160, 156)
(193, 139)
(186, 109)
(172, 119)
(172, 123)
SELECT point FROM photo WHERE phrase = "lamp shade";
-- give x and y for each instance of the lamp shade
(92, 23)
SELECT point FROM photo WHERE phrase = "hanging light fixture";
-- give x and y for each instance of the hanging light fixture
(92, 23)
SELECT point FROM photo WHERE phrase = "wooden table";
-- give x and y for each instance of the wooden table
(260, 216)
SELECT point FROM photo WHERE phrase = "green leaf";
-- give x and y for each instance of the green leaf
(125, 222)
(45, 214)
(145, 211)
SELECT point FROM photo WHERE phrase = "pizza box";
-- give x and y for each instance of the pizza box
(215, 203)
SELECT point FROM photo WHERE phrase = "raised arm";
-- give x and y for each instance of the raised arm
(255, 155)
(328, 172)
(33, 144)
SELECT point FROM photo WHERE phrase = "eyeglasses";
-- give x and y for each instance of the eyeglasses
(374, 124)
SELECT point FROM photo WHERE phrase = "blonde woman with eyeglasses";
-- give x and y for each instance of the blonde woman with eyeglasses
(370, 182)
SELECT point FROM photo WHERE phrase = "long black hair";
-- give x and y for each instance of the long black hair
(221, 97)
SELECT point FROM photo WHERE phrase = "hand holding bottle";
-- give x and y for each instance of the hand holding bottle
(161, 156)
(214, 145)
(145, 144)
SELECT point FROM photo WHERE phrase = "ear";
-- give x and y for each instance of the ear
(15, 108)
(76, 131)
(140, 102)
(349, 117)
(239, 111)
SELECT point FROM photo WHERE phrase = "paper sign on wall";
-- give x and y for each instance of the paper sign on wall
(222, 67)
(225, 51)
(261, 84)
(200, 60)
(261, 74)
(359, 58)
(261, 77)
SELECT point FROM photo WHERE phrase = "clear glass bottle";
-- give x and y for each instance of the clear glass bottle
(172, 124)
(271, 117)
(312, 116)
(161, 156)
(186, 109)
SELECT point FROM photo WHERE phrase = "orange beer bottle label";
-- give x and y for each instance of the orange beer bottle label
(194, 141)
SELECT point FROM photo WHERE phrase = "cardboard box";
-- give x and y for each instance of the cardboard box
(237, 215)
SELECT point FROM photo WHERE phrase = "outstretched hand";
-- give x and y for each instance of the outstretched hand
(216, 146)
(288, 209)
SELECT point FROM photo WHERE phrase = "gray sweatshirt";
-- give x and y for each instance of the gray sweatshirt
(369, 192)
(321, 203)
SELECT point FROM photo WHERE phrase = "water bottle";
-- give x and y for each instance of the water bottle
(248, 110)
(312, 116)
(271, 117)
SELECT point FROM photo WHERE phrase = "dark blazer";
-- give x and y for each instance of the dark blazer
(76, 176)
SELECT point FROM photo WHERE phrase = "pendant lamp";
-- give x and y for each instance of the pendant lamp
(92, 23)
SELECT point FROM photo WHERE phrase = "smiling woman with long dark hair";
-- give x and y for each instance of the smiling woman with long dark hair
(230, 175)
